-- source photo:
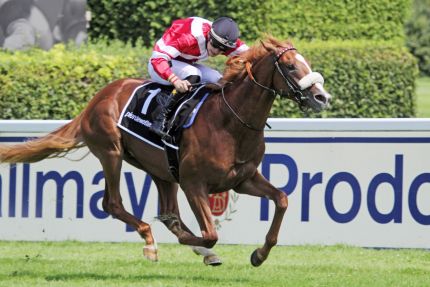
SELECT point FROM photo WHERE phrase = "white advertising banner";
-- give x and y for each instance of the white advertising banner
(363, 182)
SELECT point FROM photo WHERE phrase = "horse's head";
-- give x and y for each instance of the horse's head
(280, 69)
(294, 79)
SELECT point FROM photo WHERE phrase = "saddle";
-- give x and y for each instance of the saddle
(143, 106)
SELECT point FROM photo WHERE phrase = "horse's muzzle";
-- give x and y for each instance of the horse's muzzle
(319, 100)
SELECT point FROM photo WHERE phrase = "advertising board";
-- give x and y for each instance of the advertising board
(363, 182)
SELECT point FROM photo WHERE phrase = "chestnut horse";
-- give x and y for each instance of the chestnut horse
(219, 152)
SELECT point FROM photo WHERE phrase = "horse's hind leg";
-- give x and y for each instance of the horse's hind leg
(209, 257)
(259, 186)
(169, 215)
(110, 156)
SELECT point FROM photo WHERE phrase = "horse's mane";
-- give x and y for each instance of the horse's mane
(235, 66)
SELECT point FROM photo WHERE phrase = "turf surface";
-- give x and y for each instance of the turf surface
(121, 264)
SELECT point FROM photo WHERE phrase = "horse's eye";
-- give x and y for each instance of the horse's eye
(290, 66)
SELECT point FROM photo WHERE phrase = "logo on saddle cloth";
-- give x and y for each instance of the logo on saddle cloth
(143, 105)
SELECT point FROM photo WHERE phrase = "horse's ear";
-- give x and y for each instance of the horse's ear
(265, 46)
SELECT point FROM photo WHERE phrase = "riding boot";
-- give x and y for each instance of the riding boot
(159, 124)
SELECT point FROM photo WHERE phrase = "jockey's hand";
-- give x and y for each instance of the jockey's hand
(182, 85)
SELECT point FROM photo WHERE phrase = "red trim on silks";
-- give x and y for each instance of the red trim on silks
(179, 36)
(161, 67)
(178, 42)
(239, 43)
(172, 78)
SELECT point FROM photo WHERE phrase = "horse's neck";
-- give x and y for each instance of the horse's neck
(251, 102)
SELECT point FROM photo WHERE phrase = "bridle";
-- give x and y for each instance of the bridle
(292, 85)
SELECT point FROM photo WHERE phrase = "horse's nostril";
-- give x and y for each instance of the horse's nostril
(321, 98)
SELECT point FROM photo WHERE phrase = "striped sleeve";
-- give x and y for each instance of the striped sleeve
(240, 48)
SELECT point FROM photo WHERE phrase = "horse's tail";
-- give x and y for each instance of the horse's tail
(54, 144)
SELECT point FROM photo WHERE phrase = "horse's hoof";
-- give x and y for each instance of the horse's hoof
(255, 259)
(212, 260)
(150, 253)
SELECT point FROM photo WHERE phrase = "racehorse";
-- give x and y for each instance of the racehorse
(219, 152)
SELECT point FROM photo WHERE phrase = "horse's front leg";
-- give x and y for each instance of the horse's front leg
(259, 186)
(198, 199)
(170, 216)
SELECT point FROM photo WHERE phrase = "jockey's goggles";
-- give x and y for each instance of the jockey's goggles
(220, 43)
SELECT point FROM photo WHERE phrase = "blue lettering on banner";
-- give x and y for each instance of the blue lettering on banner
(138, 206)
(412, 200)
(356, 197)
(328, 184)
(60, 181)
(12, 190)
(308, 183)
(96, 197)
(25, 189)
(288, 188)
(396, 182)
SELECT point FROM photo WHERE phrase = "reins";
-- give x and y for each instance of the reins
(248, 66)
(238, 117)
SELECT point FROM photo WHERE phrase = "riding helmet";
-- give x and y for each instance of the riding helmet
(224, 32)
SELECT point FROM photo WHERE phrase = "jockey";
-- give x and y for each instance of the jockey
(175, 56)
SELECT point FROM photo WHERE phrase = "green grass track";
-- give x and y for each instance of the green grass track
(73, 263)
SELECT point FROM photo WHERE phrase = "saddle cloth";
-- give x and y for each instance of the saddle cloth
(142, 107)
